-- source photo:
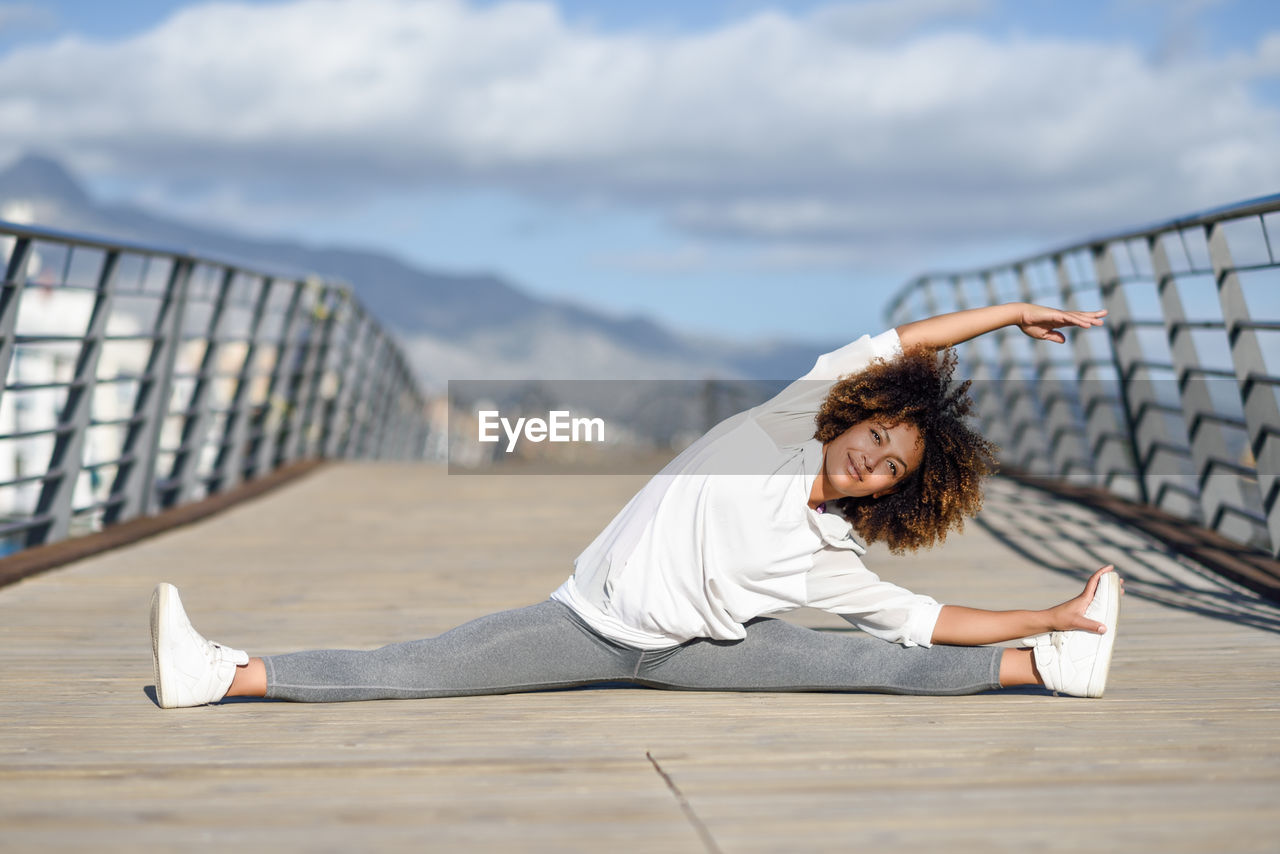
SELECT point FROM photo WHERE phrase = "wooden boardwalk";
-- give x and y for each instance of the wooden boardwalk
(1183, 754)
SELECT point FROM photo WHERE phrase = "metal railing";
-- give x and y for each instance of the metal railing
(1176, 406)
(138, 378)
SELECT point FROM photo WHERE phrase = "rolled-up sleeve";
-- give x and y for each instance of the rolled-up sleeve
(841, 584)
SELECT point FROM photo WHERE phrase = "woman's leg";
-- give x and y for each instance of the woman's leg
(250, 680)
(778, 656)
(1017, 667)
(527, 649)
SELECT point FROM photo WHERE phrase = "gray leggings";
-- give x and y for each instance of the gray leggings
(548, 646)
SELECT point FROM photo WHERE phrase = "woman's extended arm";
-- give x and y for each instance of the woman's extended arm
(974, 627)
(1037, 321)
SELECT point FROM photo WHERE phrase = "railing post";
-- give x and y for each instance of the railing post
(358, 400)
(1018, 406)
(338, 418)
(1065, 450)
(228, 468)
(67, 459)
(403, 410)
(1261, 413)
(277, 406)
(1217, 490)
(134, 483)
(987, 390)
(383, 397)
(316, 417)
(396, 421)
(1143, 423)
(1109, 453)
(369, 391)
(187, 457)
(15, 279)
(307, 385)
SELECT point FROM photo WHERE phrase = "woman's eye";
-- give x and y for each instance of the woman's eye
(875, 436)
(893, 469)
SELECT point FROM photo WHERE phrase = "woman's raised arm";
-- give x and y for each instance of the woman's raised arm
(1037, 321)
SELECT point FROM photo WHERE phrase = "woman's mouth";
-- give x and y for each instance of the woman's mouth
(854, 469)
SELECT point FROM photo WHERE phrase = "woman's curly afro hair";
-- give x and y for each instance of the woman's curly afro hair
(915, 388)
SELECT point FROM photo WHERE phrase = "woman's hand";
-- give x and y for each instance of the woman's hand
(1070, 616)
(1042, 322)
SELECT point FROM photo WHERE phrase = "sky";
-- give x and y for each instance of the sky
(737, 168)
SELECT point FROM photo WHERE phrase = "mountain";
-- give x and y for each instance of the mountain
(33, 177)
(451, 325)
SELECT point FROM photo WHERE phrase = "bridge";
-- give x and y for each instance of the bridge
(273, 399)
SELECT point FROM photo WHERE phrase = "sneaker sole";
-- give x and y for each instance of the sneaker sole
(1109, 590)
(160, 602)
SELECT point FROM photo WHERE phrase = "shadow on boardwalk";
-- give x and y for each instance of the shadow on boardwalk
(1059, 535)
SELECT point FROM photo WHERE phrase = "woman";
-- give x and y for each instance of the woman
(755, 518)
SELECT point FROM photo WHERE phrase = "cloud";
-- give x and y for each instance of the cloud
(855, 126)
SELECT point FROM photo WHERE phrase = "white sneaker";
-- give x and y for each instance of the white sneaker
(189, 670)
(1077, 662)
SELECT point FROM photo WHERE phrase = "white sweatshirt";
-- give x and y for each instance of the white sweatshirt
(724, 534)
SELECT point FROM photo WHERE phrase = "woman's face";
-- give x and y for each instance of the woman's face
(871, 458)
